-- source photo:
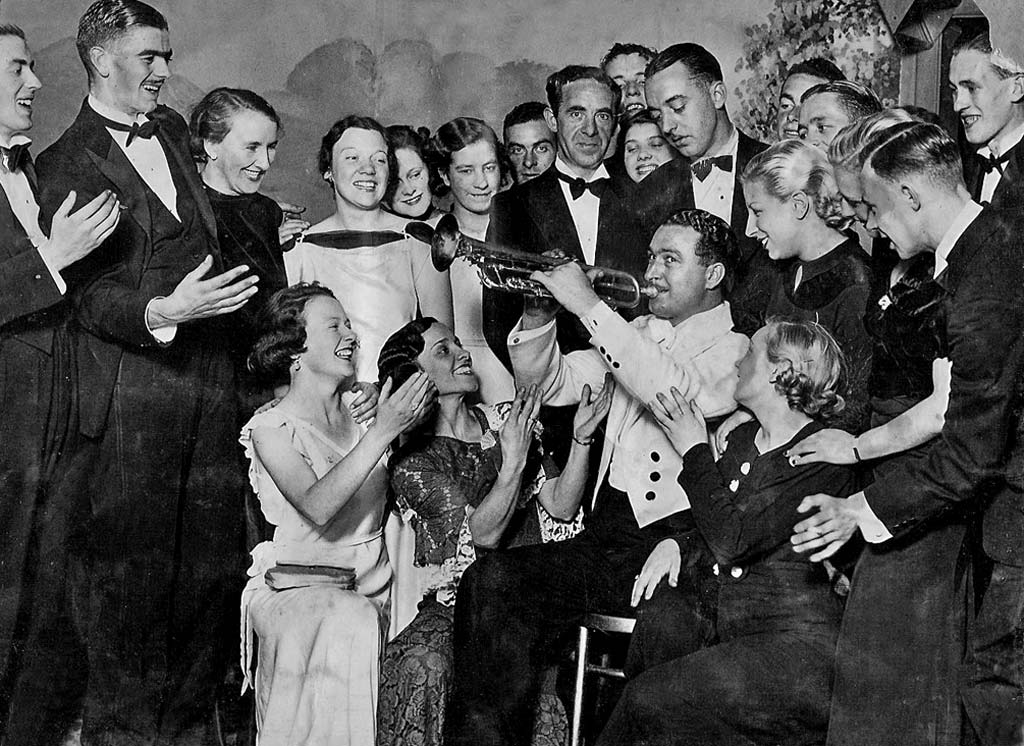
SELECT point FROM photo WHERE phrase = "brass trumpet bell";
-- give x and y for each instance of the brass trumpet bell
(509, 270)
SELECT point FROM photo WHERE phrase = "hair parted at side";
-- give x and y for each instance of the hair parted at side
(282, 330)
(352, 121)
(792, 166)
(846, 149)
(452, 137)
(915, 148)
(210, 120)
(405, 137)
(621, 49)
(855, 99)
(9, 29)
(716, 243)
(1003, 65)
(557, 82)
(812, 366)
(524, 113)
(817, 67)
(701, 64)
(397, 358)
(106, 20)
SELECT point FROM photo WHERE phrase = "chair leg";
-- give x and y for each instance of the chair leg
(576, 728)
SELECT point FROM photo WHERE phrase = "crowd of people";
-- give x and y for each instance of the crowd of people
(793, 457)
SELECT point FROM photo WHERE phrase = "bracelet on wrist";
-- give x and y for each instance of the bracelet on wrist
(583, 442)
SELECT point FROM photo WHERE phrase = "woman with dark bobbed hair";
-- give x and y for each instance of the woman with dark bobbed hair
(642, 146)
(318, 592)
(768, 680)
(409, 191)
(472, 478)
(362, 252)
(465, 154)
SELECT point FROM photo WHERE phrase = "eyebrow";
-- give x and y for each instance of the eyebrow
(157, 53)
(679, 98)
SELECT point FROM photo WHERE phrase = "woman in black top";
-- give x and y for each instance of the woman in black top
(769, 679)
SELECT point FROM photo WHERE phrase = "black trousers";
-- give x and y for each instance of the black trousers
(514, 608)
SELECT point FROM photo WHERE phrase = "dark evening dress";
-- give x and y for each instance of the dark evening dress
(247, 231)
(833, 291)
(437, 482)
(903, 633)
(769, 679)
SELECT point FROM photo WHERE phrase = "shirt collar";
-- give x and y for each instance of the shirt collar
(114, 115)
(17, 139)
(563, 167)
(956, 229)
(1005, 142)
(730, 147)
(700, 330)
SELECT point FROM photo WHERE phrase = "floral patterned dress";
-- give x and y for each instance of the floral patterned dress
(438, 482)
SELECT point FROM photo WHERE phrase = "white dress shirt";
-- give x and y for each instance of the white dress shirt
(150, 162)
(1002, 145)
(872, 528)
(716, 192)
(25, 208)
(585, 210)
(646, 356)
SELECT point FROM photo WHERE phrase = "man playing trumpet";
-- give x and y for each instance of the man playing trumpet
(513, 606)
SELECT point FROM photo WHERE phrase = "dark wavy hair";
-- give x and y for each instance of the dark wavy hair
(282, 330)
(211, 117)
(622, 49)
(106, 20)
(352, 121)
(397, 358)
(401, 136)
(558, 80)
(813, 366)
(716, 243)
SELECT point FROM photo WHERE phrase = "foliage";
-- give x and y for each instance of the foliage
(853, 33)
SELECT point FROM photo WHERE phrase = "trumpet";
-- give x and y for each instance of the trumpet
(506, 269)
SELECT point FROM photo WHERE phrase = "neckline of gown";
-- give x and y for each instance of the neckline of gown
(316, 430)
(349, 239)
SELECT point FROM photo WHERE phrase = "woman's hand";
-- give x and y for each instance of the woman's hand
(402, 410)
(517, 430)
(364, 407)
(682, 420)
(665, 561)
(592, 409)
(733, 421)
(828, 446)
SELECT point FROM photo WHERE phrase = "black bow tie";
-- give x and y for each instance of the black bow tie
(578, 186)
(15, 157)
(145, 130)
(702, 168)
(990, 163)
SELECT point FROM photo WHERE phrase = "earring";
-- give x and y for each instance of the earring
(296, 365)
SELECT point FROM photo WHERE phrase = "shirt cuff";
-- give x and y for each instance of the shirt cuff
(873, 530)
(519, 336)
(165, 334)
(62, 286)
(597, 317)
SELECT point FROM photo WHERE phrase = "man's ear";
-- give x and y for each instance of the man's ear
(718, 94)
(714, 276)
(1017, 88)
(800, 204)
(100, 59)
(909, 193)
(444, 177)
(550, 119)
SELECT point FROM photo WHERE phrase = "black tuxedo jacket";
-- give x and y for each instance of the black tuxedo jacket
(1009, 193)
(979, 455)
(112, 286)
(670, 189)
(535, 217)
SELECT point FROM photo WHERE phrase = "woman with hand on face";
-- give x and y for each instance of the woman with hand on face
(643, 147)
(472, 478)
(362, 252)
(235, 133)
(768, 680)
(318, 594)
(465, 153)
(796, 212)
(409, 194)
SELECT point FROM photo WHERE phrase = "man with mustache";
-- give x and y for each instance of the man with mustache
(988, 96)
(685, 92)
(158, 549)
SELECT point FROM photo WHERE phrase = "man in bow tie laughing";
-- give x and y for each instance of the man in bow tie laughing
(686, 95)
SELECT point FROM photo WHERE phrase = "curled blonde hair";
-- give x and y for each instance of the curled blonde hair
(792, 166)
(811, 366)
(846, 149)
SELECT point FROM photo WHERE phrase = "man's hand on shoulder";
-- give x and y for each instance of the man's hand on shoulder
(195, 298)
(73, 235)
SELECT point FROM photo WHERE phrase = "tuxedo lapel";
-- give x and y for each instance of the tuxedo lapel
(547, 206)
(195, 185)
